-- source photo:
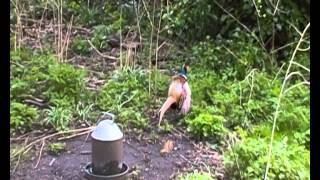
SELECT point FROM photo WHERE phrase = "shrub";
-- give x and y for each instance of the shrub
(65, 82)
(129, 117)
(248, 159)
(126, 94)
(59, 117)
(196, 176)
(205, 122)
(80, 46)
(56, 148)
(21, 117)
(127, 88)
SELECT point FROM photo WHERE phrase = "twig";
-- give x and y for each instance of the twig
(276, 8)
(296, 85)
(17, 164)
(184, 158)
(30, 101)
(230, 52)
(74, 135)
(282, 47)
(300, 65)
(161, 45)
(125, 102)
(279, 100)
(278, 73)
(20, 137)
(54, 159)
(40, 153)
(103, 55)
(50, 136)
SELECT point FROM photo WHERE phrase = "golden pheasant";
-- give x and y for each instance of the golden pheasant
(179, 94)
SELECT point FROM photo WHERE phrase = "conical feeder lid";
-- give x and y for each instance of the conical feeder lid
(107, 130)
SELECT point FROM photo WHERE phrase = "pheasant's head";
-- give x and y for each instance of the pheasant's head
(184, 70)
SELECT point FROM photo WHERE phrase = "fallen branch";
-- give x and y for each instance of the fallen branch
(74, 135)
(54, 159)
(50, 136)
(184, 158)
(19, 157)
(40, 153)
(30, 101)
(102, 55)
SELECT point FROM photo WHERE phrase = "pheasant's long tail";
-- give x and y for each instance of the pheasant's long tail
(170, 100)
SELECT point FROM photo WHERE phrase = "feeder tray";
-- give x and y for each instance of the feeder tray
(123, 175)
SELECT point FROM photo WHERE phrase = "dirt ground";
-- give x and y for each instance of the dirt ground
(141, 154)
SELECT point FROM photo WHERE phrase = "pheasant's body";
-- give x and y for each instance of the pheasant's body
(179, 95)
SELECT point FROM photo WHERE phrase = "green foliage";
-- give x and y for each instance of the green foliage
(166, 127)
(126, 93)
(129, 117)
(28, 73)
(80, 46)
(230, 59)
(56, 148)
(288, 161)
(59, 117)
(127, 88)
(179, 19)
(21, 117)
(65, 82)
(196, 176)
(295, 110)
(205, 122)
(100, 34)
(83, 112)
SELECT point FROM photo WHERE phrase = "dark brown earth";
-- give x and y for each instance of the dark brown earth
(142, 156)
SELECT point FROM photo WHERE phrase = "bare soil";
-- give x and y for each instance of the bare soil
(141, 154)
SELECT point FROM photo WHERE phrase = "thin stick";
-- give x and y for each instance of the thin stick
(230, 52)
(276, 8)
(300, 65)
(278, 73)
(157, 49)
(103, 55)
(17, 164)
(296, 85)
(282, 47)
(54, 159)
(193, 164)
(40, 153)
(279, 100)
(121, 38)
(50, 136)
(74, 135)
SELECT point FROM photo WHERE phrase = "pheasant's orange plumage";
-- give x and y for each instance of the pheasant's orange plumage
(179, 94)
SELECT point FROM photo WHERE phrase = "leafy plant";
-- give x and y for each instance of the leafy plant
(83, 111)
(167, 128)
(56, 148)
(65, 81)
(248, 158)
(21, 117)
(80, 46)
(127, 88)
(59, 117)
(204, 123)
(129, 117)
(196, 176)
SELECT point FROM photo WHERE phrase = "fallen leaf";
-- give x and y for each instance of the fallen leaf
(167, 147)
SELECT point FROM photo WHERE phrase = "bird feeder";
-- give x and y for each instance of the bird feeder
(107, 151)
